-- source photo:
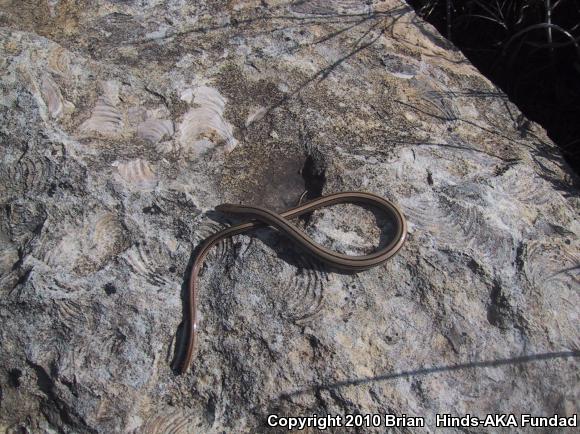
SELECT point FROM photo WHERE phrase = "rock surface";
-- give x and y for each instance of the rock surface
(123, 123)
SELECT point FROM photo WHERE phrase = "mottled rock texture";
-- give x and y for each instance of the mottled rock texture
(123, 123)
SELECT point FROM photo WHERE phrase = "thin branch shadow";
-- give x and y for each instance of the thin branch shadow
(323, 73)
(433, 370)
(446, 118)
(541, 150)
(240, 23)
(452, 146)
(359, 45)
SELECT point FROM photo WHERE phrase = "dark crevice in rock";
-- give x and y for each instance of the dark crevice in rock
(71, 385)
(110, 289)
(520, 257)
(14, 376)
(152, 209)
(210, 409)
(56, 411)
(18, 263)
(499, 309)
(43, 380)
(23, 278)
(314, 174)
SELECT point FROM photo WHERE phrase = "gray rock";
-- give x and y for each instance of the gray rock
(124, 123)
